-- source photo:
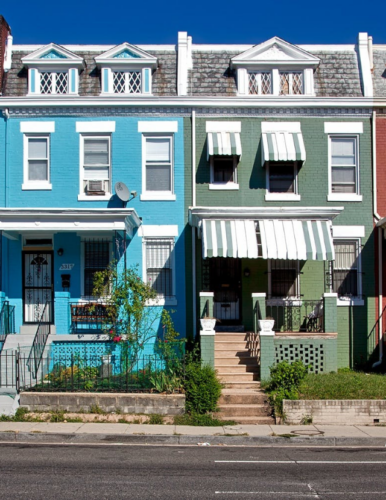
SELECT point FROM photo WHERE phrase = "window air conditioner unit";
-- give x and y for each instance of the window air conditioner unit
(95, 187)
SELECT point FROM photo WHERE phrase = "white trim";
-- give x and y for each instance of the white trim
(330, 295)
(348, 232)
(350, 301)
(226, 186)
(343, 127)
(255, 295)
(206, 294)
(344, 197)
(282, 196)
(36, 186)
(82, 193)
(223, 126)
(85, 197)
(29, 127)
(149, 231)
(93, 127)
(155, 127)
(365, 64)
(41, 185)
(162, 302)
(149, 196)
(208, 333)
(291, 127)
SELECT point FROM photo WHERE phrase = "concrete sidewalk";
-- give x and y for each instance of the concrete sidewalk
(237, 435)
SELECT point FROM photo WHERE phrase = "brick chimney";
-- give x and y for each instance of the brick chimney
(5, 31)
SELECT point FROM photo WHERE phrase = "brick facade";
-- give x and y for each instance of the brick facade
(5, 30)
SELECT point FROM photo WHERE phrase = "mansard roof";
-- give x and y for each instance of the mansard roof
(379, 71)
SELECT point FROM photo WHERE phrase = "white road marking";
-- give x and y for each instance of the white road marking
(300, 462)
(313, 491)
(287, 493)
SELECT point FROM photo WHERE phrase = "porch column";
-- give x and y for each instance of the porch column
(258, 308)
(62, 313)
(207, 336)
(267, 349)
(330, 312)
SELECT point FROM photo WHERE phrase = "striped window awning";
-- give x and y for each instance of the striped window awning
(224, 143)
(283, 146)
(268, 239)
(296, 239)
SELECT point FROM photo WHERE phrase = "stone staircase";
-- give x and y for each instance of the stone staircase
(236, 362)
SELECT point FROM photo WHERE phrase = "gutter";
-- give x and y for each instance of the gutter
(6, 149)
(194, 284)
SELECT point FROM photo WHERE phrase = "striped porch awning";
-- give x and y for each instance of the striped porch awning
(296, 239)
(224, 143)
(283, 146)
(229, 238)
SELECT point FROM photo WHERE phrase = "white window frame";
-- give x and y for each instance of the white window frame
(160, 301)
(107, 80)
(352, 301)
(53, 82)
(307, 81)
(157, 195)
(258, 74)
(225, 186)
(36, 185)
(83, 196)
(34, 76)
(344, 196)
(295, 196)
(288, 301)
(290, 81)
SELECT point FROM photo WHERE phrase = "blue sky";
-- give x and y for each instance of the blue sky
(151, 21)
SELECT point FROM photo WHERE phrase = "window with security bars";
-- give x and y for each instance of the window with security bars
(96, 258)
(284, 278)
(96, 165)
(345, 268)
(224, 169)
(282, 177)
(38, 159)
(260, 83)
(291, 83)
(159, 266)
(54, 82)
(344, 164)
(127, 82)
(158, 164)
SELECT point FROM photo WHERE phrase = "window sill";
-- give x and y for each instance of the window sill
(282, 197)
(157, 197)
(171, 301)
(38, 186)
(344, 197)
(86, 197)
(285, 301)
(350, 301)
(229, 186)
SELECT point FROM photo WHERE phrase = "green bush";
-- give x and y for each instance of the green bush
(206, 420)
(202, 387)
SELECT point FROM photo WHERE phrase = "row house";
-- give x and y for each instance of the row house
(248, 175)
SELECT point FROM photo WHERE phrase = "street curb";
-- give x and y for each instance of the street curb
(55, 438)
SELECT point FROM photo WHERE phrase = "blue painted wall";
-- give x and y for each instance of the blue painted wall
(126, 147)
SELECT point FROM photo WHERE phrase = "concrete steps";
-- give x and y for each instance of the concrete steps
(236, 362)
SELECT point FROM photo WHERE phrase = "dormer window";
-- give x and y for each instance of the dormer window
(53, 70)
(275, 68)
(126, 70)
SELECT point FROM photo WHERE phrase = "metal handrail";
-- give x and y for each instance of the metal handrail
(7, 320)
(42, 332)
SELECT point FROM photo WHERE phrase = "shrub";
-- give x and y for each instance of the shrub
(201, 420)
(201, 385)
(156, 419)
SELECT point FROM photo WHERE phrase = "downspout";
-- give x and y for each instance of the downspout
(6, 173)
(193, 228)
(380, 238)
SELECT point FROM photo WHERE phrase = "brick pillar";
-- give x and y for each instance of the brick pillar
(206, 304)
(267, 348)
(330, 312)
(207, 347)
(259, 311)
(62, 312)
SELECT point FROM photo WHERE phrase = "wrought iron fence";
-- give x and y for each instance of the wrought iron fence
(296, 315)
(7, 320)
(88, 317)
(91, 373)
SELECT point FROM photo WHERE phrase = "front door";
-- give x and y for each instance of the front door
(37, 285)
(225, 282)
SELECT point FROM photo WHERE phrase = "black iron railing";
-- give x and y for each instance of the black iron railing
(9, 369)
(7, 321)
(88, 317)
(42, 332)
(296, 315)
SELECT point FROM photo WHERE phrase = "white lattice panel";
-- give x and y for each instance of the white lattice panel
(284, 83)
(253, 84)
(134, 82)
(61, 83)
(266, 83)
(46, 83)
(297, 83)
(119, 82)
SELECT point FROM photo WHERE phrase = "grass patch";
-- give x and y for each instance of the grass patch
(343, 385)
(196, 420)
(155, 419)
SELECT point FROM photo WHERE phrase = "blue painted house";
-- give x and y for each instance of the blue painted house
(79, 124)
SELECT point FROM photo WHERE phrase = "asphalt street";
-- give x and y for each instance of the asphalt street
(190, 472)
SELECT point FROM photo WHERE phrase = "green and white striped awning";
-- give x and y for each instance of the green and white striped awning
(224, 143)
(268, 239)
(296, 239)
(283, 146)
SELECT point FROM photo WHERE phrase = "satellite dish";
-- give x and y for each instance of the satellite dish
(122, 191)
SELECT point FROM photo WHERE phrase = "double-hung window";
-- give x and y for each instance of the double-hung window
(284, 282)
(96, 258)
(36, 162)
(346, 273)
(95, 165)
(160, 266)
(282, 177)
(344, 164)
(157, 175)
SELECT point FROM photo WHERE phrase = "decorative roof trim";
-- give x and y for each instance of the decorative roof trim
(67, 58)
(141, 59)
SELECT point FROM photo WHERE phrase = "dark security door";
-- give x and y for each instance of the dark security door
(225, 281)
(37, 285)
